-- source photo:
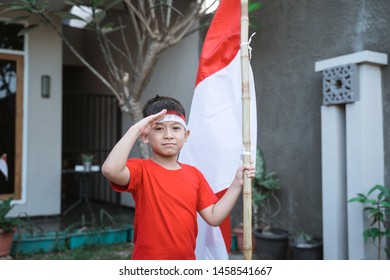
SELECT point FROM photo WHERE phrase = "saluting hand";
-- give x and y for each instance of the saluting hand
(145, 125)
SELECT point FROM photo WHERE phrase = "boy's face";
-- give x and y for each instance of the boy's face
(167, 138)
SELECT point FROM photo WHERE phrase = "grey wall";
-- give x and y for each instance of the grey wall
(292, 36)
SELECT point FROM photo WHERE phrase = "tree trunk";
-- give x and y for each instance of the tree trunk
(134, 109)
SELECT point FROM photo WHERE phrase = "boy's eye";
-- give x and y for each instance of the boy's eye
(177, 127)
(158, 128)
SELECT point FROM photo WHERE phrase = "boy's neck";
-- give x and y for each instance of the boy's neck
(168, 163)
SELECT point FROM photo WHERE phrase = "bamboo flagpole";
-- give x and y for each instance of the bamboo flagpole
(247, 191)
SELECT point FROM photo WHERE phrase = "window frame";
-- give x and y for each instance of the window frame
(19, 60)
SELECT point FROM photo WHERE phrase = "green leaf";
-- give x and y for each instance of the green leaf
(6, 4)
(372, 210)
(16, 19)
(99, 16)
(360, 198)
(253, 7)
(75, 3)
(258, 198)
(44, 7)
(17, 8)
(385, 203)
(371, 233)
(109, 25)
(30, 28)
(371, 201)
(366, 236)
(260, 165)
(380, 188)
(109, 28)
(271, 183)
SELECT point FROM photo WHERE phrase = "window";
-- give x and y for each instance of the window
(8, 37)
(11, 112)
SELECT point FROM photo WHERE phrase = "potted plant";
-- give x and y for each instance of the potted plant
(303, 246)
(8, 227)
(378, 210)
(87, 160)
(31, 238)
(271, 242)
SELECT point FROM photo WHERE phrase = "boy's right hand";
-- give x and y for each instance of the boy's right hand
(145, 125)
(114, 168)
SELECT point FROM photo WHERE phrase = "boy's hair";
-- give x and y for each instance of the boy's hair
(158, 103)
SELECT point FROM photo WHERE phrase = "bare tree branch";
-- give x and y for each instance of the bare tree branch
(141, 18)
(153, 27)
(47, 19)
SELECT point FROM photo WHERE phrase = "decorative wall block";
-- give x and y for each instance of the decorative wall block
(340, 85)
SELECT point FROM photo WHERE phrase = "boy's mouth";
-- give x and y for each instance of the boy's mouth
(168, 144)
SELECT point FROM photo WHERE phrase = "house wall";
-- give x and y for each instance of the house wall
(42, 127)
(291, 36)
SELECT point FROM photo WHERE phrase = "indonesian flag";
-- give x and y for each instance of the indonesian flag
(215, 143)
(4, 166)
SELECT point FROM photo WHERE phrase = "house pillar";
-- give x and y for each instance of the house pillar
(352, 148)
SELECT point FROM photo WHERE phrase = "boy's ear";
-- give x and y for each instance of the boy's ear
(188, 132)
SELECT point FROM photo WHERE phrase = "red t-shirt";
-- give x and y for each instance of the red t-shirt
(166, 201)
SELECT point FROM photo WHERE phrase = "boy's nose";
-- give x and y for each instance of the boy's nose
(168, 133)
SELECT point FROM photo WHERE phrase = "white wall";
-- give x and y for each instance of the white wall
(42, 127)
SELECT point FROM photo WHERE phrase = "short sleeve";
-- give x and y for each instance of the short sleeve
(135, 169)
(206, 196)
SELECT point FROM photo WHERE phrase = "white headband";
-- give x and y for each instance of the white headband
(173, 118)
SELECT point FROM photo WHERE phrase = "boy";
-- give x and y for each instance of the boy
(167, 193)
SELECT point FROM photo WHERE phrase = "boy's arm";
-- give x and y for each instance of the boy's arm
(114, 167)
(215, 214)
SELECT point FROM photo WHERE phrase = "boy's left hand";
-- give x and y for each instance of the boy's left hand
(249, 170)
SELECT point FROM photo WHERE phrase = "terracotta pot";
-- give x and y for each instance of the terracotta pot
(6, 242)
(239, 232)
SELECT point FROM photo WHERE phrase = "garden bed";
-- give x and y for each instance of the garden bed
(118, 251)
(56, 241)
